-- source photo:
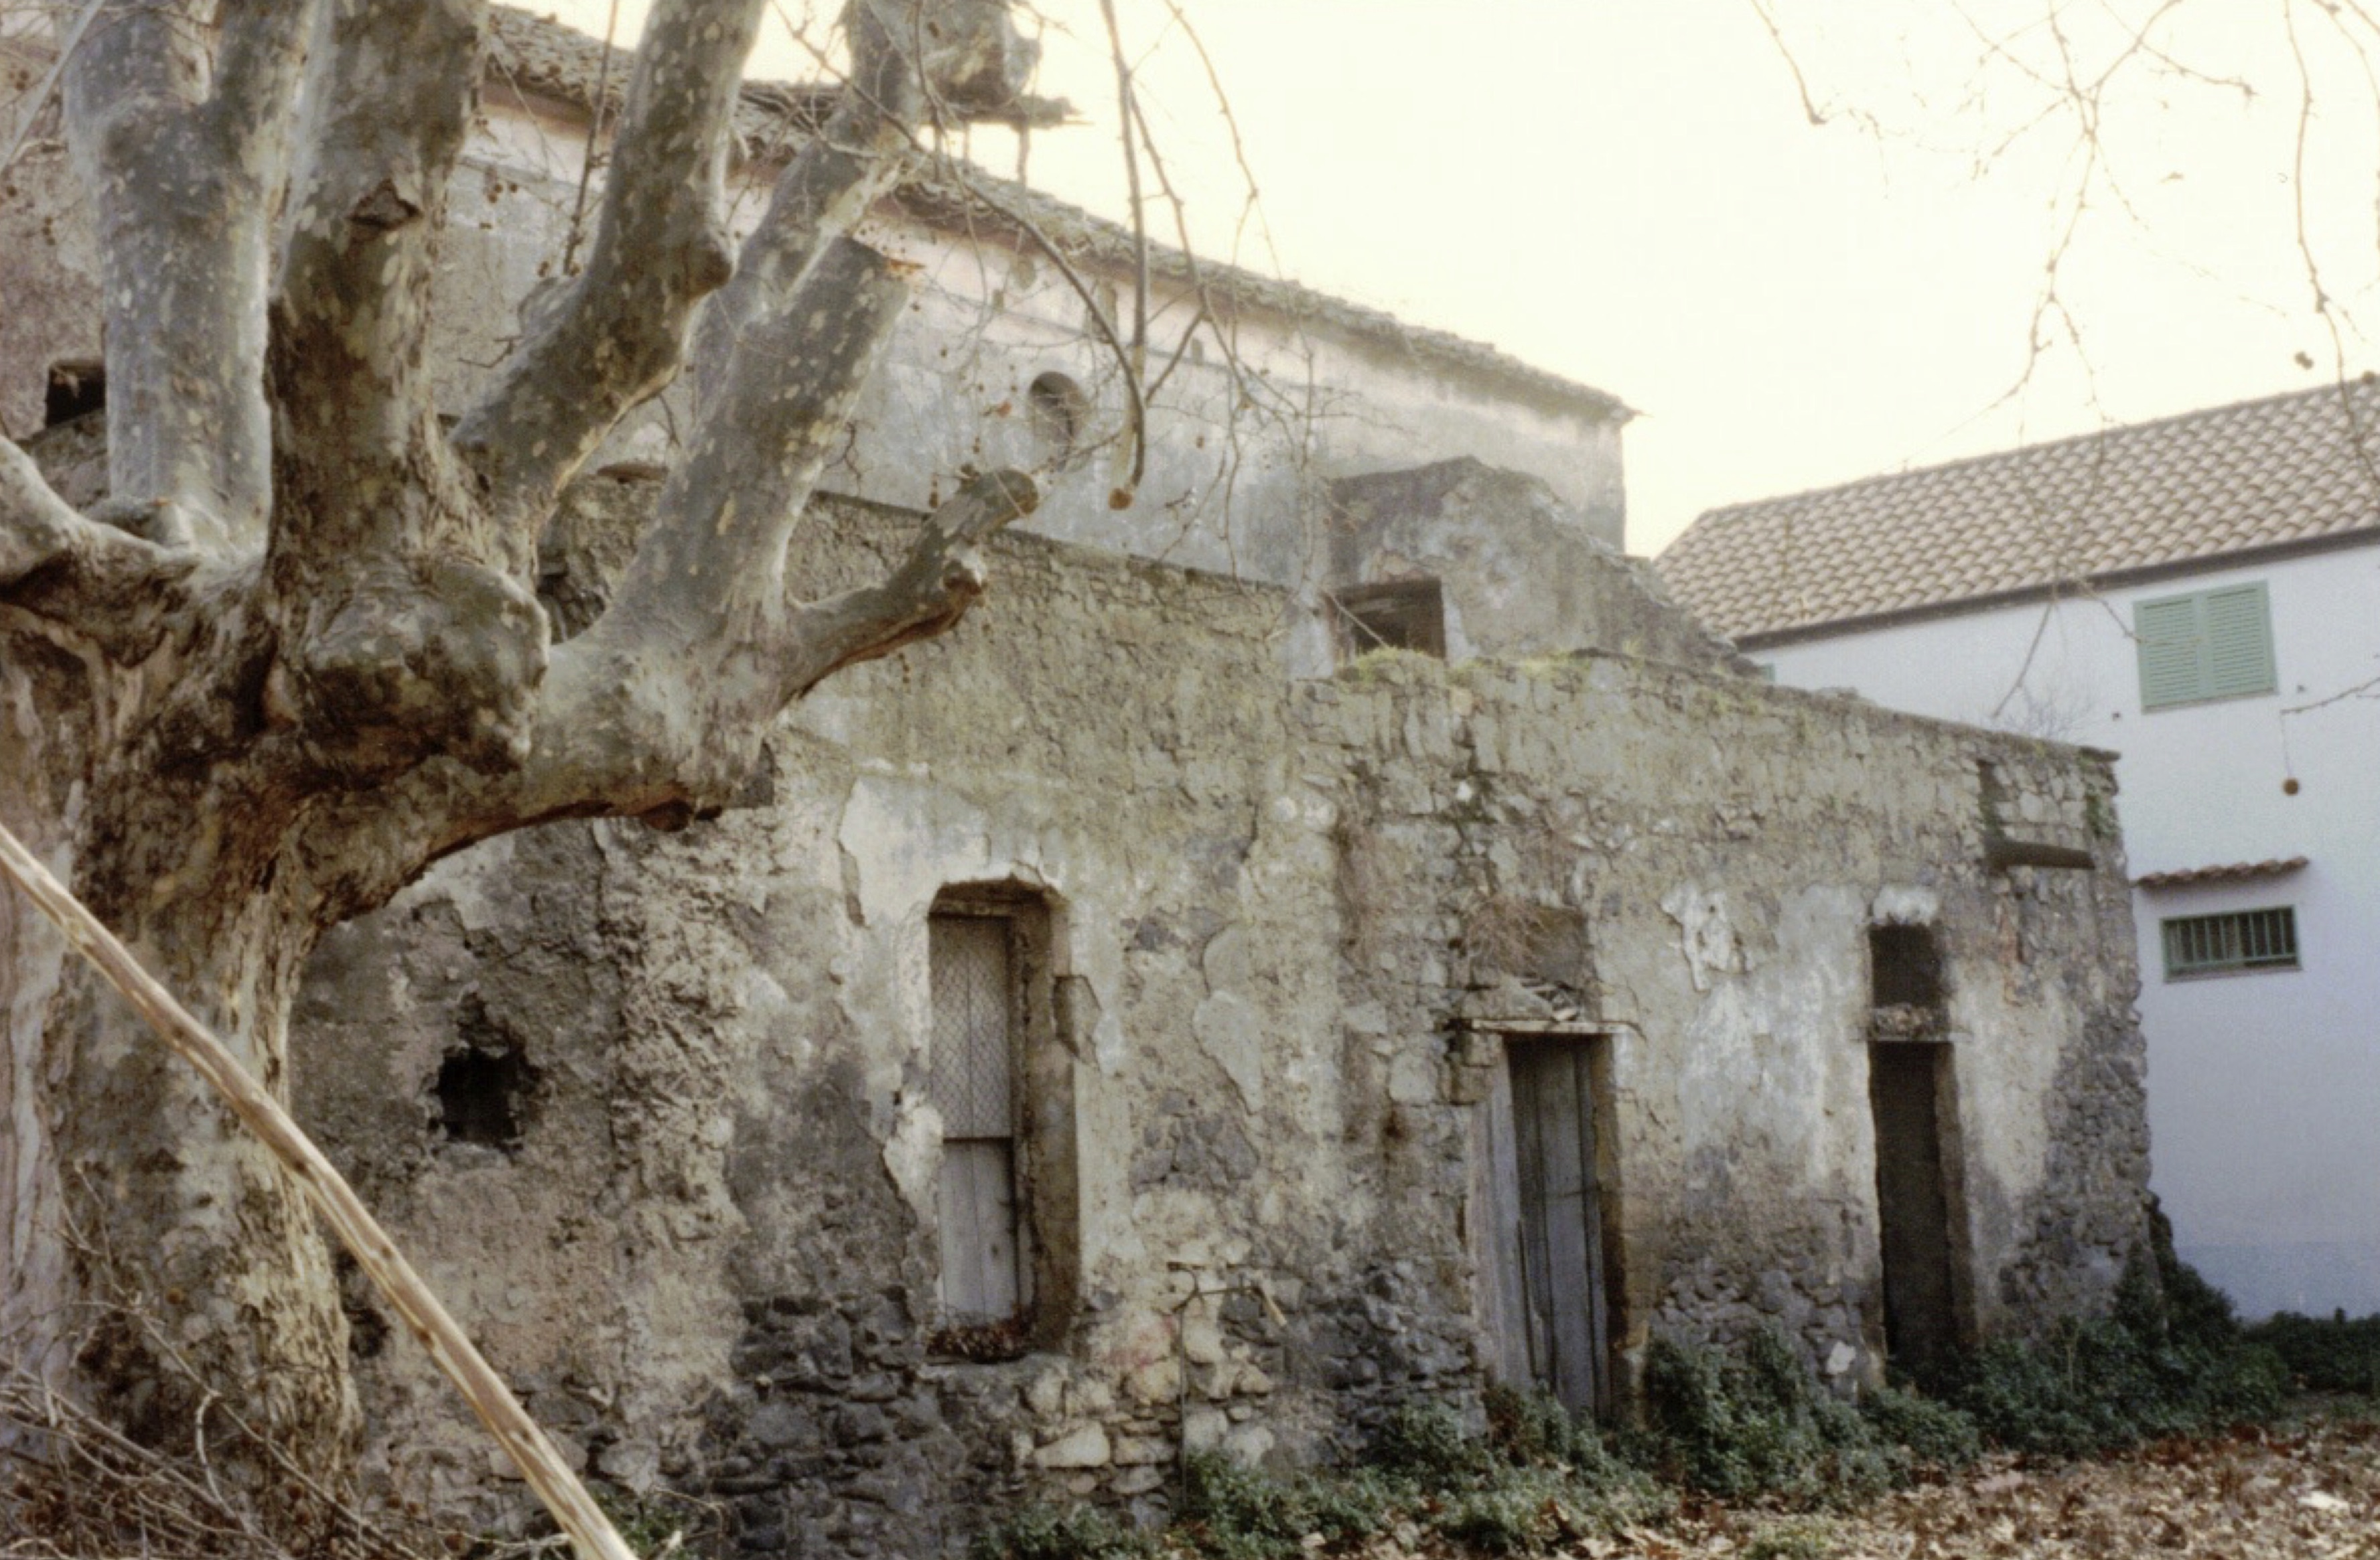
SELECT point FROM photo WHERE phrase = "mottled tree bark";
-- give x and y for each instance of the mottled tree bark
(295, 655)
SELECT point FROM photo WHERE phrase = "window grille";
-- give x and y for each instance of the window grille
(974, 1069)
(2241, 940)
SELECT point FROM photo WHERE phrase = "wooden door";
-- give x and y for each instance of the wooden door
(1543, 1304)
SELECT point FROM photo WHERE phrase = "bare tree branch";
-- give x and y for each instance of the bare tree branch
(113, 588)
(615, 334)
(29, 107)
(933, 587)
(182, 195)
(405, 626)
(259, 66)
(860, 154)
(710, 572)
(391, 105)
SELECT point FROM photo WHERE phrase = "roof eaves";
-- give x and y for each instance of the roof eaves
(541, 55)
(2230, 871)
(1750, 640)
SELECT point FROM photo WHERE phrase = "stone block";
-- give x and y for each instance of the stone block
(1083, 1446)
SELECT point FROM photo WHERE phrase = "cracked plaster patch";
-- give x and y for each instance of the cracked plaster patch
(1708, 941)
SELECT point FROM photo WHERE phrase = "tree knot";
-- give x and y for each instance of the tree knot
(381, 211)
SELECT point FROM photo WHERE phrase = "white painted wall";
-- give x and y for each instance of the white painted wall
(2264, 1088)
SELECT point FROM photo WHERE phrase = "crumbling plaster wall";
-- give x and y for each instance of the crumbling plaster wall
(1284, 918)
(1523, 573)
(50, 279)
(711, 1258)
(1689, 864)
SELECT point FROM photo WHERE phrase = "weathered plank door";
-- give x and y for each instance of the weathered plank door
(1913, 1203)
(975, 1087)
(1543, 1293)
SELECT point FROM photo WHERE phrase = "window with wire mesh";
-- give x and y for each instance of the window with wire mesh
(2236, 940)
(974, 1063)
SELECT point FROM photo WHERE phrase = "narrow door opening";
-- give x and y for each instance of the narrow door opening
(1543, 1301)
(1912, 1204)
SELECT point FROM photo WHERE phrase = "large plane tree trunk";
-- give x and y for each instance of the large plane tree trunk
(295, 656)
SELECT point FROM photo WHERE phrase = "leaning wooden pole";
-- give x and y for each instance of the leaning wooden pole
(589, 1531)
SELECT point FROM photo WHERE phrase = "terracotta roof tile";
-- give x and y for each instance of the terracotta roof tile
(2257, 474)
(2233, 872)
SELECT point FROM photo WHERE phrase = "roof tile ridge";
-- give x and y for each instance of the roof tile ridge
(2021, 452)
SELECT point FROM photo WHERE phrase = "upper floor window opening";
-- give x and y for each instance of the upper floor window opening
(1398, 615)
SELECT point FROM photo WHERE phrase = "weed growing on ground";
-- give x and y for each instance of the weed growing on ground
(1072, 1532)
(1754, 1423)
(1232, 1511)
(1751, 1422)
(1800, 1537)
(2170, 1360)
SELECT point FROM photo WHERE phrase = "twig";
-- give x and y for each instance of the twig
(450, 1348)
(1128, 106)
(594, 133)
(35, 101)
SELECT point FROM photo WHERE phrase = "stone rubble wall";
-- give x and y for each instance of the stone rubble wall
(1284, 921)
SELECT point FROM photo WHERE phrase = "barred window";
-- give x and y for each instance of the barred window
(2237, 940)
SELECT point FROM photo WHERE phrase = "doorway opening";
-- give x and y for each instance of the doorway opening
(1908, 1083)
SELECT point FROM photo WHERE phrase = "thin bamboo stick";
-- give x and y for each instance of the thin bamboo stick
(589, 1531)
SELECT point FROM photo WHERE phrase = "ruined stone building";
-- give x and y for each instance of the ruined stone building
(2202, 593)
(1155, 1016)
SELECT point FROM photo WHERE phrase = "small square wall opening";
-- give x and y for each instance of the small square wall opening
(76, 387)
(1400, 615)
(1904, 967)
(481, 1096)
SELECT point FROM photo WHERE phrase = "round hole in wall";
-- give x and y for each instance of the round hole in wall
(2289, 786)
(1059, 410)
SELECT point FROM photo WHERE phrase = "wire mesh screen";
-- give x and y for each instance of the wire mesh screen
(973, 1070)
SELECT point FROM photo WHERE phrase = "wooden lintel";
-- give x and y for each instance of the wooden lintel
(2001, 852)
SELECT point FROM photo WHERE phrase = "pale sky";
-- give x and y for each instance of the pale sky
(1628, 193)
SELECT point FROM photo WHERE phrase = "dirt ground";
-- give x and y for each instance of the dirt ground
(2307, 1489)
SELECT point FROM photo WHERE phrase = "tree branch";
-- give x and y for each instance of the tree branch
(405, 627)
(931, 591)
(113, 588)
(259, 66)
(860, 154)
(392, 104)
(615, 334)
(710, 571)
(183, 193)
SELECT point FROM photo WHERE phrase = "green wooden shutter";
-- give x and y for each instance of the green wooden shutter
(2209, 645)
(2172, 651)
(2239, 641)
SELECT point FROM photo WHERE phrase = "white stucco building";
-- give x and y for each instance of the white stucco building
(2202, 595)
